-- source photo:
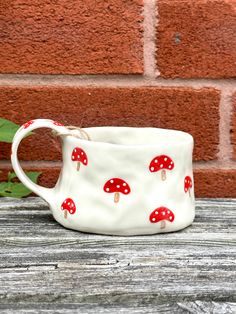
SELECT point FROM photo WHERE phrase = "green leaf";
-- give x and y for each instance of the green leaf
(3, 186)
(10, 176)
(7, 130)
(33, 175)
(17, 189)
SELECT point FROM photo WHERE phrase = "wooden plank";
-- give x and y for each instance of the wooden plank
(42, 263)
(168, 308)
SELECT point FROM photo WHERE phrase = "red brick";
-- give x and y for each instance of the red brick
(76, 36)
(233, 126)
(208, 182)
(192, 110)
(215, 182)
(197, 38)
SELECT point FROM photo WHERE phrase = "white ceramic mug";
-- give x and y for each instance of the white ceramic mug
(123, 181)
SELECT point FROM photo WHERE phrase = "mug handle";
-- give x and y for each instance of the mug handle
(45, 193)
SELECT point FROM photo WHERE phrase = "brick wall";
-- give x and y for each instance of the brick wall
(164, 63)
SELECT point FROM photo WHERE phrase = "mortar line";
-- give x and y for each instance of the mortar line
(218, 165)
(39, 164)
(149, 38)
(225, 111)
(38, 80)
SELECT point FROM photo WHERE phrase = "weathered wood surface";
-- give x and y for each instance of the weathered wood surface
(45, 268)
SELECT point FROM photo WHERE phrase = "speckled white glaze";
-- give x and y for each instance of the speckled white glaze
(117, 152)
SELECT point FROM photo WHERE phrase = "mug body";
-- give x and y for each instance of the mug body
(126, 181)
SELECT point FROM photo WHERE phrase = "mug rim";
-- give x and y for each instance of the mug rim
(182, 138)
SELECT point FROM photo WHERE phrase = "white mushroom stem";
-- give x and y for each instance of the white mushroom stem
(163, 224)
(65, 213)
(163, 174)
(189, 192)
(78, 166)
(116, 197)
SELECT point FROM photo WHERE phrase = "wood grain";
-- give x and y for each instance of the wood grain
(45, 268)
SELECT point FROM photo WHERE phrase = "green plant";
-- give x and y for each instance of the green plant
(12, 187)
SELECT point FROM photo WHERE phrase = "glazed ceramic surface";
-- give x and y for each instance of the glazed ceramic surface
(123, 181)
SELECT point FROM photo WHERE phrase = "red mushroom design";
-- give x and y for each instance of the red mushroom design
(68, 206)
(162, 163)
(187, 184)
(27, 124)
(79, 155)
(162, 214)
(117, 186)
(57, 123)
